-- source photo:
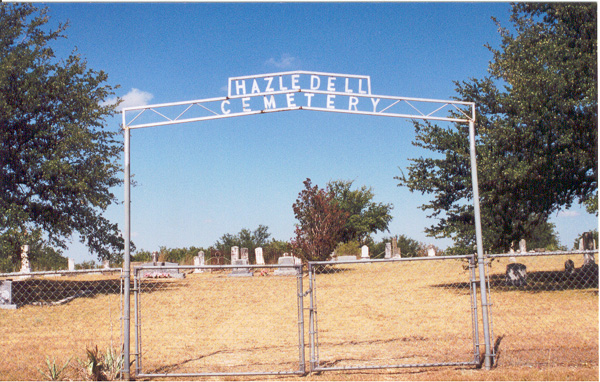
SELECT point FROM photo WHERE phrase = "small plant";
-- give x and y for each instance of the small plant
(102, 366)
(113, 363)
(53, 372)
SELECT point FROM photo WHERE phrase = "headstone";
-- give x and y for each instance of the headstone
(25, 267)
(6, 295)
(388, 250)
(364, 252)
(166, 270)
(106, 264)
(522, 246)
(587, 242)
(155, 257)
(516, 274)
(589, 269)
(258, 253)
(241, 272)
(569, 267)
(430, 251)
(297, 260)
(199, 261)
(395, 251)
(285, 260)
(245, 254)
(71, 263)
(512, 258)
(235, 254)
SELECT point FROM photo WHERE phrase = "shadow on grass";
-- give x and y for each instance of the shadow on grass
(538, 281)
(58, 292)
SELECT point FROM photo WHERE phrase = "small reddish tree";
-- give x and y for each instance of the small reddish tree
(320, 223)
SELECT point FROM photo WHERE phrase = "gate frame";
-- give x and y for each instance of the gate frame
(127, 126)
(138, 337)
(313, 322)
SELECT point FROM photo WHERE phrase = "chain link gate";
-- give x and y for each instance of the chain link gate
(222, 320)
(408, 320)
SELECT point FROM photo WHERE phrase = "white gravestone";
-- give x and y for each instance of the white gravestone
(364, 252)
(235, 254)
(199, 261)
(388, 250)
(430, 251)
(285, 260)
(258, 253)
(71, 264)
(522, 246)
(25, 267)
(6, 295)
(106, 264)
(245, 255)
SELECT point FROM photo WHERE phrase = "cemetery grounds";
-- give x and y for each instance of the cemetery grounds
(368, 314)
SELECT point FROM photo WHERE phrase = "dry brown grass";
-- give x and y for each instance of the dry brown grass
(376, 314)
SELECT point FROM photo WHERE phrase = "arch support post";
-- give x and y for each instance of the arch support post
(126, 274)
(479, 241)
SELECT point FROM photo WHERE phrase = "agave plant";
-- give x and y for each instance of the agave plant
(53, 372)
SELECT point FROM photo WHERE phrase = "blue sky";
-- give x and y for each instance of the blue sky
(199, 181)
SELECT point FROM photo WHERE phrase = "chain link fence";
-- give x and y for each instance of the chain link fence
(218, 320)
(407, 312)
(544, 308)
(57, 317)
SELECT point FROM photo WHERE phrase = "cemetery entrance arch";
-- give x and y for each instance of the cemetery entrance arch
(298, 90)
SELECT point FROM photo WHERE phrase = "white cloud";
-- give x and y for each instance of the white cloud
(568, 214)
(285, 62)
(135, 97)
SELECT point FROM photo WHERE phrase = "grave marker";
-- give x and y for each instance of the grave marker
(6, 295)
(516, 274)
(199, 261)
(388, 250)
(25, 266)
(258, 253)
(364, 252)
(430, 251)
(235, 254)
(285, 260)
(241, 272)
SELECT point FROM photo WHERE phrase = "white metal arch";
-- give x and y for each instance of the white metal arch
(297, 90)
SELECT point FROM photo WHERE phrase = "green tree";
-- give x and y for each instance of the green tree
(58, 162)
(537, 132)
(320, 223)
(365, 217)
(544, 236)
(244, 239)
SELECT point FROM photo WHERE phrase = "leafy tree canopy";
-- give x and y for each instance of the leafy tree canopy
(58, 162)
(244, 239)
(365, 217)
(537, 132)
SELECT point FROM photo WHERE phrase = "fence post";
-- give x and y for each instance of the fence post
(300, 318)
(311, 318)
(479, 239)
